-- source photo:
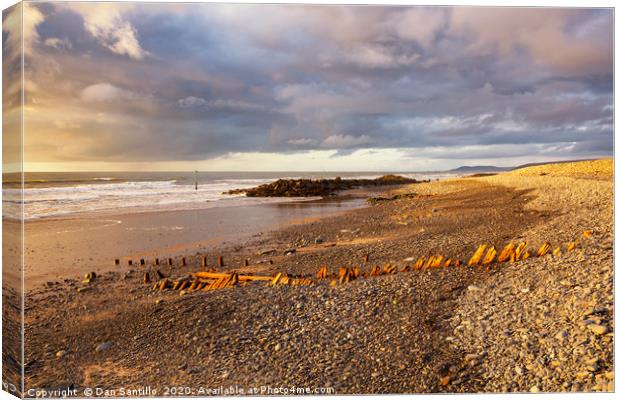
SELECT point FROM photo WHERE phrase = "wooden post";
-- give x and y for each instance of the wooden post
(142, 262)
(246, 262)
(169, 261)
(117, 261)
(220, 261)
(157, 261)
(204, 261)
(366, 257)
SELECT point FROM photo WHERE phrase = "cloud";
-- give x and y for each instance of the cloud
(421, 24)
(546, 35)
(105, 22)
(105, 92)
(345, 141)
(196, 82)
(58, 43)
(301, 141)
(31, 19)
(191, 101)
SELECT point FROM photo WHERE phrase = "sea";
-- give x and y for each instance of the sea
(65, 194)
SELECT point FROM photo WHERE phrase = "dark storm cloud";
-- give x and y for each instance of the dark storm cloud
(196, 81)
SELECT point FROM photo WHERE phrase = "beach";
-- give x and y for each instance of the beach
(65, 247)
(532, 325)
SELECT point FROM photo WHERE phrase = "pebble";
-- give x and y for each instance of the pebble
(598, 329)
(103, 346)
(473, 288)
(61, 353)
(561, 335)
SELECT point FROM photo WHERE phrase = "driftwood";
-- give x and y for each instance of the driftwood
(485, 256)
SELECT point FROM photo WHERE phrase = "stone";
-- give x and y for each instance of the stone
(470, 357)
(583, 375)
(561, 335)
(598, 329)
(319, 240)
(318, 187)
(103, 346)
(534, 389)
(61, 353)
(473, 288)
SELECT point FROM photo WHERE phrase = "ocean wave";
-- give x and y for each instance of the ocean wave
(111, 195)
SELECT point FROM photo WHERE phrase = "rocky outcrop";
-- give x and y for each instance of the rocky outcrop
(319, 187)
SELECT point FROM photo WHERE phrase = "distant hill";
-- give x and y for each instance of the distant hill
(491, 168)
(479, 169)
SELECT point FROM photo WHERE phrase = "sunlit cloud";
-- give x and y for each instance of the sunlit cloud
(158, 85)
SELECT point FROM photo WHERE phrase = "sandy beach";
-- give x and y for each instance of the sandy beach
(541, 324)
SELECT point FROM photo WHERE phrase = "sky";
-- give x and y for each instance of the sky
(155, 86)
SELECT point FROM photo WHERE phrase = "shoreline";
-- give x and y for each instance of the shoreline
(81, 243)
(443, 330)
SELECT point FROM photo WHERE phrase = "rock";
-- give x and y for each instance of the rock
(598, 329)
(473, 288)
(518, 370)
(61, 353)
(318, 187)
(470, 357)
(561, 336)
(319, 240)
(279, 347)
(82, 289)
(444, 380)
(534, 389)
(583, 375)
(292, 250)
(103, 346)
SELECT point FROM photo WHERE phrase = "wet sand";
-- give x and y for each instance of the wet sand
(61, 248)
